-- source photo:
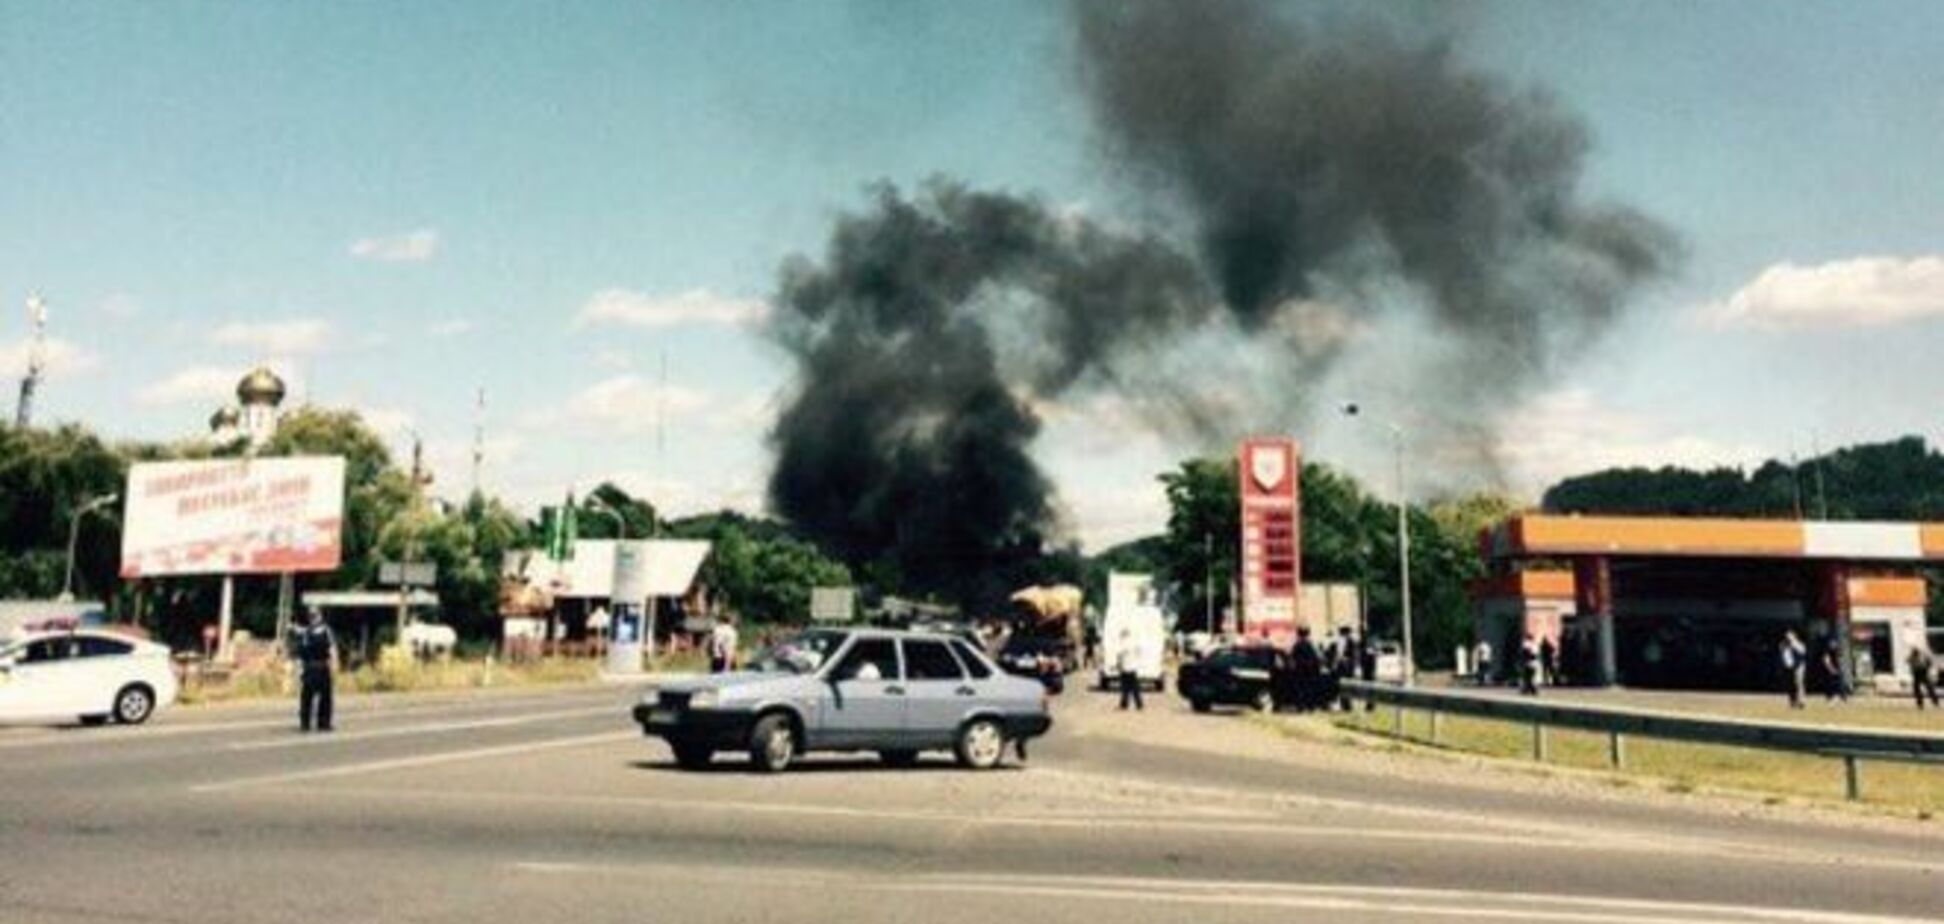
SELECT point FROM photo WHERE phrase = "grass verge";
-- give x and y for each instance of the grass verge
(1672, 766)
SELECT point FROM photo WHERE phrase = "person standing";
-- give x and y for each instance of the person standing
(1549, 661)
(1306, 668)
(1344, 665)
(1923, 675)
(1127, 664)
(1529, 666)
(723, 640)
(1795, 663)
(315, 650)
(1832, 666)
(1482, 662)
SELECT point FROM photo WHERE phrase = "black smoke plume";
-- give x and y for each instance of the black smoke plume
(1326, 178)
(906, 445)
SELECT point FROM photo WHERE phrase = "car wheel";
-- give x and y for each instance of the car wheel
(1264, 701)
(981, 744)
(772, 744)
(691, 755)
(899, 758)
(1201, 705)
(134, 704)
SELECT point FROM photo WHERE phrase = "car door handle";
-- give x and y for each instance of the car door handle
(894, 691)
(966, 691)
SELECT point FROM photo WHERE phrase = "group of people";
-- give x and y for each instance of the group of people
(1796, 661)
(1316, 672)
(1536, 662)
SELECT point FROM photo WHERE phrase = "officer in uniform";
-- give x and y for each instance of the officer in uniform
(315, 650)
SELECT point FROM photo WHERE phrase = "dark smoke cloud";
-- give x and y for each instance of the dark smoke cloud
(907, 442)
(1328, 178)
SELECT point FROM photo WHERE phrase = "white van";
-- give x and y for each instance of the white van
(1133, 611)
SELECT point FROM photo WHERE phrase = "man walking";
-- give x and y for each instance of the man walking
(1529, 667)
(1127, 664)
(1923, 675)
(723, 640)
(315, 650)
(1795, 658)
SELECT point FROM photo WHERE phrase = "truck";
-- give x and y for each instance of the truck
(1133, 622)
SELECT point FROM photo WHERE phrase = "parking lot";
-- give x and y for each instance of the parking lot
(551, 806)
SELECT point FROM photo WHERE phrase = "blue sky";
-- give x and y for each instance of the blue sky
(398, 203)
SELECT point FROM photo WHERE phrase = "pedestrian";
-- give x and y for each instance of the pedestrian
(723, 640)
(1549, 661)
(1090, 646)
(1482, 662)
(1529, 666)
(1127, 664)
(1795, 664)
(1923, 675)
(315, 650)
(1306, 669)
(1832, 664)
(1367, 667)
(1343, 665)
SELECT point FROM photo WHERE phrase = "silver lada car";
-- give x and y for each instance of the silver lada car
(896, 693)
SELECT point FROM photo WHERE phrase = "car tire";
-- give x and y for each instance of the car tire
(772, 744)
(134, 704)
(981, 745)
(691, 755)
(1201, 705)
(899, 758)
(1263, 702)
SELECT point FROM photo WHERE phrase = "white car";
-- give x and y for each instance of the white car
(86, 675)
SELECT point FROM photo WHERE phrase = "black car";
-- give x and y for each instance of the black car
(1048, 659)
(1254, 676)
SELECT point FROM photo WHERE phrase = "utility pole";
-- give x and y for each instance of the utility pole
(1404, 554)
(1208, 581)
(36, 362)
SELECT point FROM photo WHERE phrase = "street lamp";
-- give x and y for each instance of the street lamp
(1351, 409)
(74, 537)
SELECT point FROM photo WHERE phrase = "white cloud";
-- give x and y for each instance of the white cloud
(61, 359)
(215, 385)
(411, 247)
(1862, 291)
(631, 404)
(451, 327)
(290, 337)
(696, 306)
(1570, 432)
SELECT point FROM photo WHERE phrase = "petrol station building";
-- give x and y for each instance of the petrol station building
(1685, 602)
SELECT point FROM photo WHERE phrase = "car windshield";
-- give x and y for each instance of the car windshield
(800, 654)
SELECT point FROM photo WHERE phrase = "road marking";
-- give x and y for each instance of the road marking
(422, 760)
(430, 728)
(1445, 903)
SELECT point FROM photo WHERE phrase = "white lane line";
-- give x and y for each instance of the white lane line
(422, 760)
(1445, 903)
(119, 734)
(959, 821)
(430, 728)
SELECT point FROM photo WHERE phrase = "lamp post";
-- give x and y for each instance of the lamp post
(1351, 409)
(74, 537)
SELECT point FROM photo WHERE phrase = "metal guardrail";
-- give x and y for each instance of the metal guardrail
(1851, 745)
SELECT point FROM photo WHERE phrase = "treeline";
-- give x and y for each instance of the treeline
(1902, 479)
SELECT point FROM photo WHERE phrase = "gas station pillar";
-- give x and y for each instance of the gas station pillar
(1593, 586)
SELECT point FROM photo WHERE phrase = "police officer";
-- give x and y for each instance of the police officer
(315, 650)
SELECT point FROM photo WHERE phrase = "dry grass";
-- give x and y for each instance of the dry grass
(1676, 766)
(396, 674)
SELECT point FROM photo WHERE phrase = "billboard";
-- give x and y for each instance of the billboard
(233, 516)
(1271, 543)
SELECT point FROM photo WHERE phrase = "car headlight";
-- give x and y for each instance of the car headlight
(705, 699)
(651, 697)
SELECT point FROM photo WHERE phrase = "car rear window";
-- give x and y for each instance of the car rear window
(930, 661)
(95, 647)
(974, 665)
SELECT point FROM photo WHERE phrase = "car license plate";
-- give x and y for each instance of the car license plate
(663, 717)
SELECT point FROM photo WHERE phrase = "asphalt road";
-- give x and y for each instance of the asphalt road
(551, 807)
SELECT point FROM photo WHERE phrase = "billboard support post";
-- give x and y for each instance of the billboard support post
(224, 653)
